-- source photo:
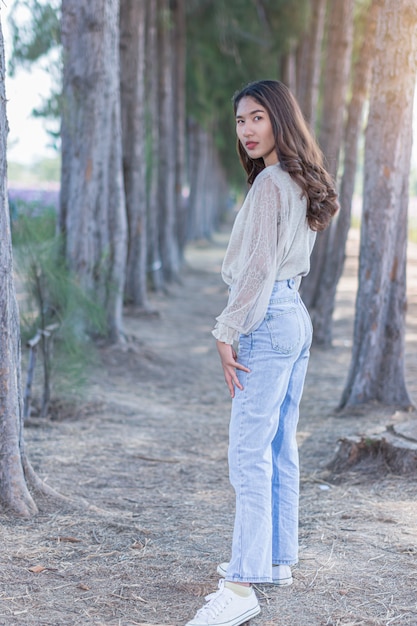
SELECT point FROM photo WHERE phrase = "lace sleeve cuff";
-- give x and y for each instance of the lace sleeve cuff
(224, 333)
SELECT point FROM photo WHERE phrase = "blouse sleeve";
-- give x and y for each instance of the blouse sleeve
(252, 256)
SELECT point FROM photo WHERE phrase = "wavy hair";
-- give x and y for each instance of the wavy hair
(297, 150)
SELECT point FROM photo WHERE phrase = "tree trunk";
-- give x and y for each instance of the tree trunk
(152, 85)
(336, 80)
(289, 68)
(92, 211)
(308, 61)
(335, 253)
(132, 82)
(377, 366)
(14, 493)
(180, 125)
(193, 151)
(336, 76)
(199, 159)
(16, 472)
(208, 187)
(167, 152)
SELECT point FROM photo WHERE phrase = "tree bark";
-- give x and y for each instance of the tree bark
(289, 68)
(308, 61)
(133, 114)
(17, 476)
(336, 75)
(336, 80)
(200, 164)
(377, 367)
(208, 186)
(14, 493)
(180, 125)
(384, 453)
(167, 137)
(193, 134)
(92, 211)
(152, 85)
(335, 254)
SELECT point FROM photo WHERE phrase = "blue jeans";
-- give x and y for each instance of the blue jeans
(263, 453)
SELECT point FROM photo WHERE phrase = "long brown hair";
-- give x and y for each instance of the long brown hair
(297, 150)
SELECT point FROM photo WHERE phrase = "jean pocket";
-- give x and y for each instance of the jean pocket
(285, 330)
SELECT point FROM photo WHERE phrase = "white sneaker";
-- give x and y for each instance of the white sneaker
(226, 608)
(281, 574)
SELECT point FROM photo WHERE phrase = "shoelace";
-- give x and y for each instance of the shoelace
(214, 602)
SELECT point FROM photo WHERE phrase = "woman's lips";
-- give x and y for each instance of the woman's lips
(250, 145)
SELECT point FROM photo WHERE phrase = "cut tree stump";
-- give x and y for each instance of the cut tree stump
(392, 448)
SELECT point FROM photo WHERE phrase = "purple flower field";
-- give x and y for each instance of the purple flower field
(34, 199)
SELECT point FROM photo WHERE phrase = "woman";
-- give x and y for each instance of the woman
(291, 198)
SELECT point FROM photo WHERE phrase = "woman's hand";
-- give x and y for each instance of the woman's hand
(228, 358)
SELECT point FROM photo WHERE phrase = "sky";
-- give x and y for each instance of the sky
(28, 139)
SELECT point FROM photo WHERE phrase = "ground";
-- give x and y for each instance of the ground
(147, 449)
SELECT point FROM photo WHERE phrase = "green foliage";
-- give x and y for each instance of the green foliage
(51, 295)
(36, 38)
(230, 43)
(35, 28)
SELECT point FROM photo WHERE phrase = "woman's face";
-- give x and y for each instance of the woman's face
(254, 131)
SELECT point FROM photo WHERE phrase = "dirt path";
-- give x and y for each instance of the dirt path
(150, 449)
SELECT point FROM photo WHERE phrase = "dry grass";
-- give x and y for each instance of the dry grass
(150, 450)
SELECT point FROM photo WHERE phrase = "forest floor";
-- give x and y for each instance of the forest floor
(148, 450)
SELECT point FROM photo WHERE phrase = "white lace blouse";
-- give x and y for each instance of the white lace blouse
(270, 241)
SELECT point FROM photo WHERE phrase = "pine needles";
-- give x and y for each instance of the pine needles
(53, 306)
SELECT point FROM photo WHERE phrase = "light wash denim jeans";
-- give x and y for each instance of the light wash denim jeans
(263, 453)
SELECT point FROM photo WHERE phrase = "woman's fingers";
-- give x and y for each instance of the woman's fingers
(228, 358)
(231, 377)
(239, 366)
(232, 380)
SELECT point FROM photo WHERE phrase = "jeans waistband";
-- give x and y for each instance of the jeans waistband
(290, 283)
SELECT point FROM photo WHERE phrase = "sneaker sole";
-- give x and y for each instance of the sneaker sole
(278, 582)
(243, 619)
(238, 621)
